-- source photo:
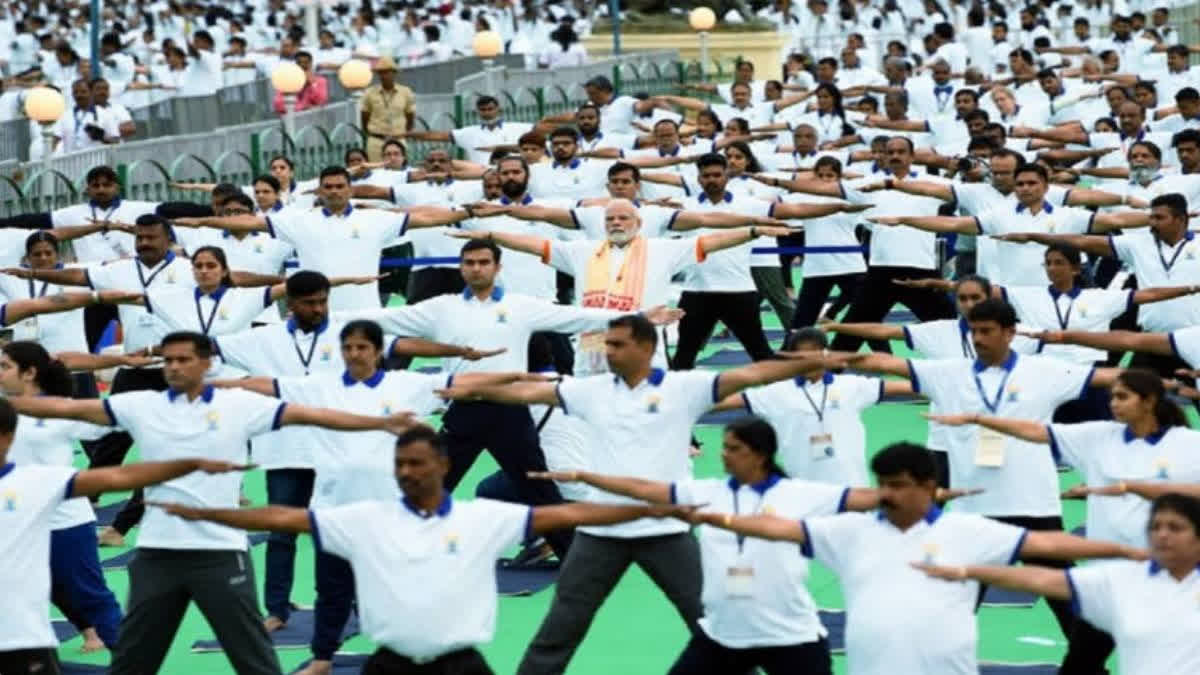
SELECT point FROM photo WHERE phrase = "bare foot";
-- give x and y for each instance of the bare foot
(317, 668)
(110, 537)
(273, 623)
(91, 641)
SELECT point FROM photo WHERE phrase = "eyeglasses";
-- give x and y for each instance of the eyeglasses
(236, 212)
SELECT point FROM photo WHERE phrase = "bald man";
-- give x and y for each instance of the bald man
(627, 270)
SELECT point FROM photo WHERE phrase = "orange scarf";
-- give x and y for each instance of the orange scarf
(623, 293)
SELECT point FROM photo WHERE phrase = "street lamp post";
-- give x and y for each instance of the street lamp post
(355, 76)
(487, 45)
(288, 79)
(702, 19)
(45, 106)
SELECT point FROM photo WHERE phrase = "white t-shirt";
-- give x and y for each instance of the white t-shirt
(726, 271)
(29, 497)
(772, 607)
(1012, 264)
(450, 557)
(521, 272)
(1151, 616)
(832, 230)
(51, 442)
(577, 179)
(1106, 453)
(57, 332)
(357, 466)
(102, 246)
(141, 328)
(479, 136)
(1018, 477)
(1083, 309)
(1156, 264)
(227, 310)
(657, 221)
(642, 432)
(217, 425)
(821, 434)
(898, 620)
(900, 245)
(432, 242)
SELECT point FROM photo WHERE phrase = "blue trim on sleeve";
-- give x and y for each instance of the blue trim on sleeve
(404, 226)
(978, 224)
(1091, 224)
(1087, 383)
(916, 381)
(270, 227)
(70, 491)
(1016, 554)
(316, 533)
(87, 279)
(908, 341)
(528, 525)
(562, 402)
(840, 509)
(266, 297)
(1004, 295)
(391, 347)
(1113, 245)
(1075, 608)
(771, 210)
(277, 422)
(1170, 338)
(1067, 197)
(4, 314)
(1129, 304)
(806, 548)
(674, 495)
(111, 415)
(716, 386)
(881, 386)
(275, 386)
(671, 222)
(1054, 447)
(746, 402)
(146, 302)
(575, 219)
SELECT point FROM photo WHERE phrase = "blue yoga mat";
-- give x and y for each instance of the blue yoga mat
(525, 580)
(723, 417)
(297, 634)
(105, 514)
(726, 357)
(120, 561)
(429, 370)
(1080, 531)
(834, 621)
(1002, 597)
(68, 668)
(1018, 669)
(343, 664)
(63, 630)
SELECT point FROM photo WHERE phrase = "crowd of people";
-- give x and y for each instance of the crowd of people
(1025, 196)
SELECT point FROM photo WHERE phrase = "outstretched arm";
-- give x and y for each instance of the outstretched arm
(17, 310)
(133, 476)
(268, 518)
(1026, 430)
(763, 527)
(1088, 243)
(71, 276)
(1043, 581)
(517, 242)
(765, 372)
(1106, 222)
(719, 241)
(1063, 546)
(959, 224)
(239, 223)
(870, 331)
(338, 420)
(563, 516)
(521, 393)
(546, 214)
(1144, 296)
(638, 488)
(1117, 340)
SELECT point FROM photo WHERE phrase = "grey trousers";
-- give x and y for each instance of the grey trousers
(593, 567)
(769, 282)
(163, 582)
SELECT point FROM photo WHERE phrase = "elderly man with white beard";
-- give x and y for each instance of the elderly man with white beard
(628, 271)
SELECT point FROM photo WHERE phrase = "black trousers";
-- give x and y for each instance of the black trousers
(879, 294)
(112, 448)
(462, 662)
(814, 292)
(1087, 646)
(787, 259)
(95, 320)
(704, 656)
(29, 662)
(738, 311)
(509, 434)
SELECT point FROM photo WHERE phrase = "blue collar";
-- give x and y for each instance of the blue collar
(673, 153)
(492, 126)
(6, 469)
(215, 295)
(206, 395)
(442, 511)
(1140, 134)
(448, 181)
(943, 88)
(1157, 176)
(362, 177)
(827, 378)
(911, 173)
(655, 377)
(1055, 294)
(497, 294)
(980, 366)
(1152, 439)
(292, 326)
(327, 213)
(760, 487)
(573, 164)
(704, 197)
(506, 201)
(167, 259)
(372, 381)
(930, 516)
(1155, 568)
(1046, 207)
(116, 203)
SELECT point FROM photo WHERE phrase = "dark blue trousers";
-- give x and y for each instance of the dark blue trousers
(285, 487)
(335, 601)
(77, 584)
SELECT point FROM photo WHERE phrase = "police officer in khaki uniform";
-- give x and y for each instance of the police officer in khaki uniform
(387, 110)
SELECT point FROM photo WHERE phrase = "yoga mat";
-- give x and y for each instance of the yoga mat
(297, 634)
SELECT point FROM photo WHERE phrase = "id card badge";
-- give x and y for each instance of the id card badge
(739, 581)
(147, 320)
(989, 451)
(27, 329)
(820, 446)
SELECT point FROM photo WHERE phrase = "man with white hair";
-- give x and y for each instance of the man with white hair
(628, 271)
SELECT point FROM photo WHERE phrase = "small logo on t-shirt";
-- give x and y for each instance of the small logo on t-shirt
(40, 422)
(354, 233)
(170, 276)
(212, 417)
(452, 544)
(931, 551)
(258, 248)
(9, 501)
(326, 353)
(834, 401)
(1013, 391)
(501, 315)
(652, 403)
(387, 408)
(1162, 468)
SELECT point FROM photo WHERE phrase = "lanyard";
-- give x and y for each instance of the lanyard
(943, 99)
(968, 349)
(305, 360)
(994, 404)
(142, 277)
(113, 209)
(205, 326)
(1168, 265)
(827, 129)
(741, 538)
(1062, 319)
(31, 289)
(819, 411)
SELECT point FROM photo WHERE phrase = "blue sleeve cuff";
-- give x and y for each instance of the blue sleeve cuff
(277, 422)
(575, 219)
(528, 524)
(978, 224)
(1075, 609)
(916, 381)
(674, 495)
(111, 415)
(275, 386)
(1129, 303)
(716, 389)
(562, 402)
(1113, 245)
(746, 402)
(841, 507)
(771, 210)
(146, 301)
(316, 533)
(4, 314)
(1067, 197)
(953, 191)
(842, 189)
(1004, 295)
(1170, 336)
(392, 347)
(908, 341)
(881, 387)
(1087, 383)
(270, 227)
(70, 491)
(266, 297)
(806, 548)
(1016, 554)
(87, 279)
(404, 225)
(1054, 448)
(1091, 228)
(671, 222)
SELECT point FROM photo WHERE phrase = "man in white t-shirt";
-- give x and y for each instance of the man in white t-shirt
(492, 130)
(32, 495)
(424, 565)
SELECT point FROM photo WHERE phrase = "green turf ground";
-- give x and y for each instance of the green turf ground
(636, 631)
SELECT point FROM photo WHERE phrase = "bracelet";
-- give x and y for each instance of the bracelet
(889, 183)
(489, 235)
(95, 297)
(470, 211)
(753, 231)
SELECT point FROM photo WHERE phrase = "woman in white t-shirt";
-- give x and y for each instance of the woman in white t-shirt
(77, 583)
(1148, 607)
(757, 611)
